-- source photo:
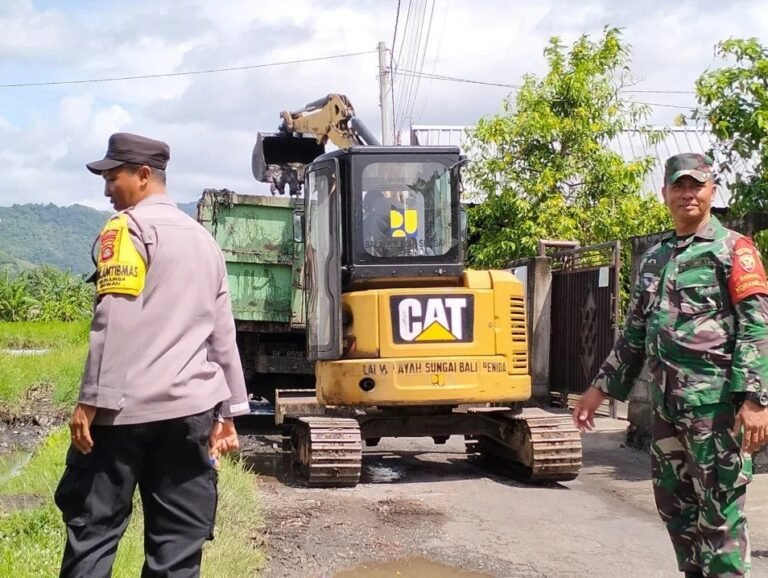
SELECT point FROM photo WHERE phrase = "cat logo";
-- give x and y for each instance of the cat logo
(432, 318)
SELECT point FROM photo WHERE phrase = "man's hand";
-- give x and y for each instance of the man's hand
(754, 419)
(223, 439)
(80, 427)
(585, 408)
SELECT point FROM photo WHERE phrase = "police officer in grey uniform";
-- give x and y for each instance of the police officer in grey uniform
(162, 381)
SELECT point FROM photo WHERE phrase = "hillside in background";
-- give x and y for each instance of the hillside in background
(52, 235)
(12, 265)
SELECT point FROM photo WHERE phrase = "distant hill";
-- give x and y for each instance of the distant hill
(12, 265)
(52, 235)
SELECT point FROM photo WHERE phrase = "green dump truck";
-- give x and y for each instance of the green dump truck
(264, 266)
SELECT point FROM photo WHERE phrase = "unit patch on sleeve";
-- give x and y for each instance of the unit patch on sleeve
(747, 273)
(121, 268)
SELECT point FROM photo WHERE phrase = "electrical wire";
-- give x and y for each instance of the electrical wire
(431, 76)
(413, 88)
(438, 50)
(392, 74)
(408, 56)
(186, 73)
(421, 65)
(514, 86)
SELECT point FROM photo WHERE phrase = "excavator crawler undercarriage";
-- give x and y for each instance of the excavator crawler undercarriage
(530, 445)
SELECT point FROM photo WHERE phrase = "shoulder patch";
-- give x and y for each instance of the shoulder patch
(747, 273)
(121, 268)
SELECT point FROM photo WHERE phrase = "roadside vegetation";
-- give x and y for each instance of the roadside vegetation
(31, 540)
(44, 294)
(49, 311)
(36, 335)
(52, 372)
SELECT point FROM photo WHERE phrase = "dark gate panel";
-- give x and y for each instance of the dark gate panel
(585, 284)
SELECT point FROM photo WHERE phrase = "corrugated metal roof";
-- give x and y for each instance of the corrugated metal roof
(431, 135)
(630, 144)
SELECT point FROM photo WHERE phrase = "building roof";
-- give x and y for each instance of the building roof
(630, 144)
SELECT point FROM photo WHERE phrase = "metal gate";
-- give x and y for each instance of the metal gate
(585, 312)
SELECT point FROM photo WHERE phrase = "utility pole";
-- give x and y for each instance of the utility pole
(385, 98)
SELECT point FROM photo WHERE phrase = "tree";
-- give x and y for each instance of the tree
(733, 100)
(544, 164)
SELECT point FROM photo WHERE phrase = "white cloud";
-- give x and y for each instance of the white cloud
(210, 121)
(29, 33)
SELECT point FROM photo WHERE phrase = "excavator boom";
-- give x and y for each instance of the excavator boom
(279, 158)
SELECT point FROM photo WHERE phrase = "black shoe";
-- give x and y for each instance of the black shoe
(696, 574)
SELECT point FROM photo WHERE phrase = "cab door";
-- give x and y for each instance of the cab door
(322, 261)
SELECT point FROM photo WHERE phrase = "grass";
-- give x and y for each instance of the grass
(58, 370)
(31, 541)
(39, 335)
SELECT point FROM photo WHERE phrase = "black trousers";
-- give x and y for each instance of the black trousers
(169, 462)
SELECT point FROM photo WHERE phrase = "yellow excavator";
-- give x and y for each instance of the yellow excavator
(406, 341)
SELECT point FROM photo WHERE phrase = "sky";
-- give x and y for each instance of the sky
(210, 121)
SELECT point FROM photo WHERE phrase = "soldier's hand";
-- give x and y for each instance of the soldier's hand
(754, 419)
(585, 408)
(80, 427)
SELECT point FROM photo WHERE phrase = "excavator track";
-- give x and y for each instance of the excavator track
(534, 446)
(327, 451)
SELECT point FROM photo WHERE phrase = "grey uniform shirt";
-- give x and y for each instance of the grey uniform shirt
(169, 352)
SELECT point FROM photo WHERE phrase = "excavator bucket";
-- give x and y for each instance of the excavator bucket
(279, 159)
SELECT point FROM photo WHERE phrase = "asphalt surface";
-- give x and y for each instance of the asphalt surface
(425, 511)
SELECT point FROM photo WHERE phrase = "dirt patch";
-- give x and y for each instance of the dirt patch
(22, 428)
(15, 502)
(402, 511)
(36, 408)
(24, 425)
(311, 532)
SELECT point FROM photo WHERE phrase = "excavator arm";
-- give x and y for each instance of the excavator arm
(330, 118)
(280, 158)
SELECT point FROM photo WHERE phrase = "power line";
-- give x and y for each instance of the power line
(405, 29)
(514, 86)
(453, 78)
(679, 106)
(434, 65)
(408, 55)
(186, 73)
(392, 74)
(661, 91)
(397, 19)
(421, 65)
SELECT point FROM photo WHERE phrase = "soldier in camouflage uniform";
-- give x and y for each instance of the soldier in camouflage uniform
(699, 319)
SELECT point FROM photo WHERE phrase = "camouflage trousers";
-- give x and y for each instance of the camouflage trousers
(700, 478)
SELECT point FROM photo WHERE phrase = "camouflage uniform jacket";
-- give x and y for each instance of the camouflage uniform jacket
(698, 317)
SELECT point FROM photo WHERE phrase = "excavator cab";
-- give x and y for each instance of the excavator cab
(377, 217)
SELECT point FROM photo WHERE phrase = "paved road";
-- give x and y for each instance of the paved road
(424, 511)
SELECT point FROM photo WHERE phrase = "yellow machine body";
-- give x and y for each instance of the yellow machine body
(432, 346)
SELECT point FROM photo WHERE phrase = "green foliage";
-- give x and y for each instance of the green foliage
(58, 371)
(44, 294)
(733, 100)
(35, 335)
(12, 265)
(33, 539)
(544, 163)
(52, 235)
